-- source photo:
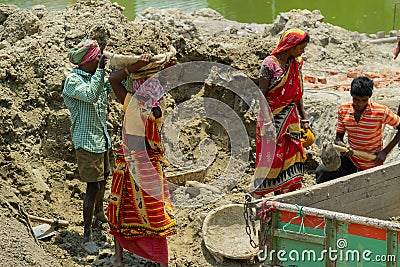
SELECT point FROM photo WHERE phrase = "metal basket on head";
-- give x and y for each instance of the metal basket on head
(224, 234)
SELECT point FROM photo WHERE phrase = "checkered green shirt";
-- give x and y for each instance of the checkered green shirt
(85, 96)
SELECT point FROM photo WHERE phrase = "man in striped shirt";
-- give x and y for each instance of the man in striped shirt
(85, 95)
(363, 120)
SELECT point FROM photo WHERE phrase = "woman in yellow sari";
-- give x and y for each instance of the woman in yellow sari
(140, 211)
(282, 86)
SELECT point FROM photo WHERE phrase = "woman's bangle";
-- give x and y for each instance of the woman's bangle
(127, 72)
(305, 121)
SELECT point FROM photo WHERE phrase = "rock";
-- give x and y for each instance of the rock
(381, 34)
(352, 74)
(20, 24)
(39, 10)
(193, 191)
(7, 10)
(364, 36)
(310, 79)
(322, 80)
(393, 33)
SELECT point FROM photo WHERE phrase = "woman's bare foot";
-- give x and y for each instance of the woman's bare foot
(90, 247)
(100, 216)
(118, 253)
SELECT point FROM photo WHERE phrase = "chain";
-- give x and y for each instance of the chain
(252, 220)
(247, 219)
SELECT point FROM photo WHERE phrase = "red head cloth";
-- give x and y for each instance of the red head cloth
(289, 39)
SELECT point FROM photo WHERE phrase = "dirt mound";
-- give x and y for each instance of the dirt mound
(18, 246)
(37, 159)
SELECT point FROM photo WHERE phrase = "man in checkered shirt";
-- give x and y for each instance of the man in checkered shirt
(85, 95)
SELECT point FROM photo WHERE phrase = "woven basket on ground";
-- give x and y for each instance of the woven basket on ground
(180, 178)
(224, 234)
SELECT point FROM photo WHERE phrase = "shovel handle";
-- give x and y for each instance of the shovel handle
(53, 221)
(356, 152)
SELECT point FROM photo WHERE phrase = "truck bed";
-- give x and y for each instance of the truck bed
(344, 222)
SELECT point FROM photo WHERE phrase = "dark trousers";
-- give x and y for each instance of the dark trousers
(322, 174)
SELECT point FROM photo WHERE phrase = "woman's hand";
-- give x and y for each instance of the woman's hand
(144, 59)
(157, 112)
(171, 63)
(306, 125)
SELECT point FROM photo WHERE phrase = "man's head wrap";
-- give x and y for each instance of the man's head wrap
(84, 52)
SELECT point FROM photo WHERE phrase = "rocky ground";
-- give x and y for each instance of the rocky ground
(37, 163)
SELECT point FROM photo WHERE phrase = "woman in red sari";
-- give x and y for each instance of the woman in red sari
(282, 86)
(140, 211)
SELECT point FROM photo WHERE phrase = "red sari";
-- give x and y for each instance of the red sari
(140, 211)
(283, 171)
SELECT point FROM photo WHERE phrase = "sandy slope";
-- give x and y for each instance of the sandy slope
(37, 166)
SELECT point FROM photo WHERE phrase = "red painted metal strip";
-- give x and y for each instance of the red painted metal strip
(309, 221)
(366, 231)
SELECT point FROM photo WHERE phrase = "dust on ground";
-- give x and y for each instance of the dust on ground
(37, 162)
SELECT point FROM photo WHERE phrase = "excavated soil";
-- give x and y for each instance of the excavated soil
(37, 164)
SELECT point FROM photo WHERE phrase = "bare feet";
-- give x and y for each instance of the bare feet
(118, 264)
(100, 216)
(118, 253)
(91, 248)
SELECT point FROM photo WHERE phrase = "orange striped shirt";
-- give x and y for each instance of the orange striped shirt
(367, 134)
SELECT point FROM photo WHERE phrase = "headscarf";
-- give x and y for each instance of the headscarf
(84, 52)
(149, 89)
(289, 39)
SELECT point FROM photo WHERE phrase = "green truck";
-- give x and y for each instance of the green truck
(348, 222)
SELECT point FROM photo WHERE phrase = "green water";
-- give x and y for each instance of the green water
(368, 16)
